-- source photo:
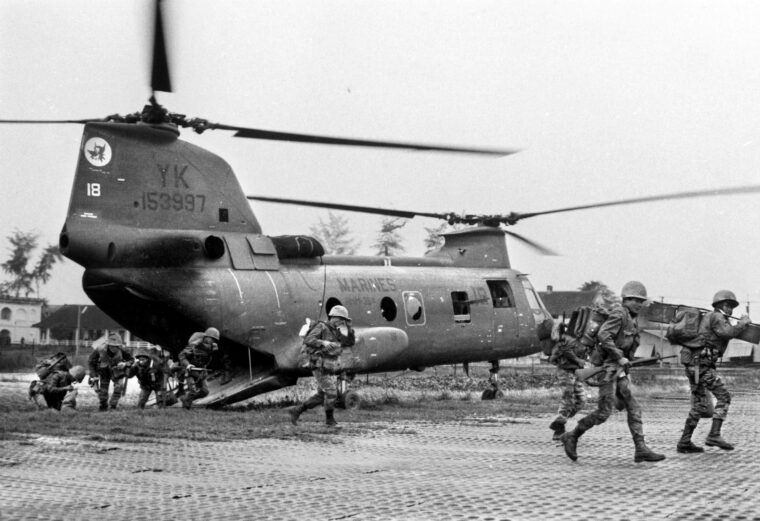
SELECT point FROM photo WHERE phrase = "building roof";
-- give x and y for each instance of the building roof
(558, 302)
(90, 317)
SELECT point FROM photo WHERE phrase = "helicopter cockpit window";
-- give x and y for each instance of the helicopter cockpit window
(461, 306)
(501, 294)
(533, 300)
(414, 307)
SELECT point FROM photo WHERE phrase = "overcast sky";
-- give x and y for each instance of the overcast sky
(606, 99)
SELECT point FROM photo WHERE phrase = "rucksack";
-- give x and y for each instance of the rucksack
(585, 323)
(44, 367)
(684, 329)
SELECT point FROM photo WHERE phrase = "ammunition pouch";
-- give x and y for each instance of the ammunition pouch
(330, 364)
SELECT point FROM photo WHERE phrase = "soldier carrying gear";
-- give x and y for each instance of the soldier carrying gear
(150, 375)
(618, 339)
(58, 387)
(195, 359)
(324, 342)
(715, 331)
(109, 363)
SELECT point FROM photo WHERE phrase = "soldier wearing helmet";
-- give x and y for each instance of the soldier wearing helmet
(108, 364)
(150, 375)
(58, 387)
(715, 330)
(618, 339)
(324, 343)
(195, 360)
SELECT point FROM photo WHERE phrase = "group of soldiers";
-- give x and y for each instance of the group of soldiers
(112, 365)
(612, 347)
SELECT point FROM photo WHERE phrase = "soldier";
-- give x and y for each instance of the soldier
(618, 339)
(568, 355)
(108, 364)
(714, 333)
(324, 344)
(150, 376)
(195, 359)
(58, 388)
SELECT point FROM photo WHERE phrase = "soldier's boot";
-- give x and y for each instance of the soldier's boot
(187, 402)
(294, 412)
(644, 453)
(570, 442)
(330, 418)
(714, 439)
(558, 426)
(685, 445)
(103, 406)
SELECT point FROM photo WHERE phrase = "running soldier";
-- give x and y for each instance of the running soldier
(324, 344)
(714, 333)
(568, 355)
(618, 339)
(108, 364)
(150, 375)
(195, 360)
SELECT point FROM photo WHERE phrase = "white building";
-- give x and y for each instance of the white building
(17, 319)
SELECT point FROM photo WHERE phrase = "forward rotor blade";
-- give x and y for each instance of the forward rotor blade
(540, 248)
(160, 79)
(514, 217)
(271, 135)
(349, 207)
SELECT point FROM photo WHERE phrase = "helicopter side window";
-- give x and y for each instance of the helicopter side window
(388, 309)
(414, 308)
(461, 306)
(501, 294)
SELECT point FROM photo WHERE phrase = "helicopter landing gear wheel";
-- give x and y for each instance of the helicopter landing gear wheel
(351, 400)
(492, 394)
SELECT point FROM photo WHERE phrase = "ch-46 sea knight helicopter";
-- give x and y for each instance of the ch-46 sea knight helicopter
(171, 246)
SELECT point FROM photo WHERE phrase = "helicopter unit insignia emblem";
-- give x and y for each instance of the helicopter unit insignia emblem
(97, 151)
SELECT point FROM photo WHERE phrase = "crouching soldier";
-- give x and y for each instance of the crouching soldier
(150, 375)
(58, 388)
(195, 359)
(108, 364)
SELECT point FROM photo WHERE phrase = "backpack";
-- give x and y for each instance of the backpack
(45, 367)
(585, 323)
(684, 329)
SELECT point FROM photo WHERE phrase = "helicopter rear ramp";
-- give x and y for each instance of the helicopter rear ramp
(243, 387)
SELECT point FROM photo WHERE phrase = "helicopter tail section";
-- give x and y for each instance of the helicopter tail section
(140, 191)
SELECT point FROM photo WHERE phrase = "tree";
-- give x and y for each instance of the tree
(435, 240)
(334, 235)
(24, 280)
(388, 241)
(608, 295)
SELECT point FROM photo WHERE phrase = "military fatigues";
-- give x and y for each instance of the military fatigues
(323, 362)
(568, 355)
(699, 364)
(110, 364)
(618, 338)
(57, 389)
(151, 379)
(200, 356)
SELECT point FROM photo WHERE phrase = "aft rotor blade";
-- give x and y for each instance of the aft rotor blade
(271, 135)
(540, 248)
(160, 79)
(514, 217)
(349, 207)
(52, 121)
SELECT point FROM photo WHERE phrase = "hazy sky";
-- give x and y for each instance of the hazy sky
(607, 100)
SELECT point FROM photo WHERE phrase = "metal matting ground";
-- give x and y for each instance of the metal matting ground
(494, 468)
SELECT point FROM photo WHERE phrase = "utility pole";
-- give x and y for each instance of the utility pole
(76, 336)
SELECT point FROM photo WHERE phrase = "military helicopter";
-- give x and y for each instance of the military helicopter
(170, 246)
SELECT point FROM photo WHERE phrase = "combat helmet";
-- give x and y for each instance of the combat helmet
(77, 372)
(142, 352)
(725, 295)
(212, 332)
(114, 339)
(339, 311)
(634, 289)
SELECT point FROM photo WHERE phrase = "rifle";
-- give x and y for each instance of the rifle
(588, 373)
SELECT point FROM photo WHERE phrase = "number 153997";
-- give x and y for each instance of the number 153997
(172, 201)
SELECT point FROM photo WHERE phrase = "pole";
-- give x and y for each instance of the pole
(76, 336)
